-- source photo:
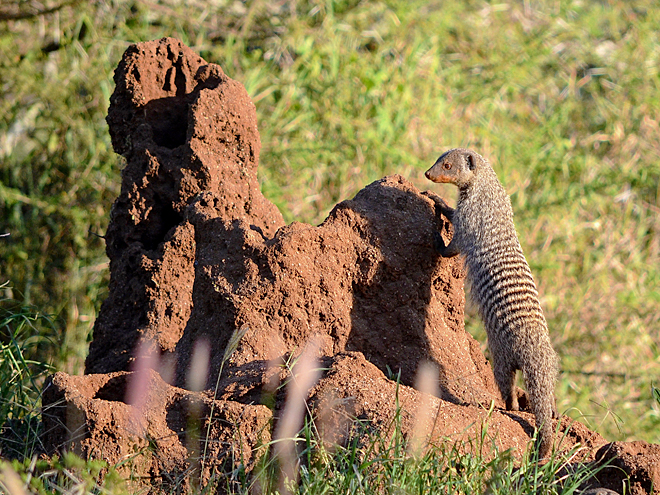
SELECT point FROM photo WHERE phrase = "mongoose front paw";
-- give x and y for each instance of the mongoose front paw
(441, 206)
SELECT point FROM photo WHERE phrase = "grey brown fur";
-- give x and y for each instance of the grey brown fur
(501, 283)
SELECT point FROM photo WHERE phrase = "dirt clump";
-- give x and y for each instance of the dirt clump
(160, 436)
(205, 278)
(632, 466)
(354, 388)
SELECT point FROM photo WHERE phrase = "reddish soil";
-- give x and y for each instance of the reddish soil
(197, 255)
(159, 439)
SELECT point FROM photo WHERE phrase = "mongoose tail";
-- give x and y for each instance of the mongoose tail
(501, 283)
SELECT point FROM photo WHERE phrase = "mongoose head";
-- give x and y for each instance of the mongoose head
(456, 166)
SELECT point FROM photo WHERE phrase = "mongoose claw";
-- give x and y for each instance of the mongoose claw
(431, 195)
(441, 206)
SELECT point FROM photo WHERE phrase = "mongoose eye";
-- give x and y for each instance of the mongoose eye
(447, 166)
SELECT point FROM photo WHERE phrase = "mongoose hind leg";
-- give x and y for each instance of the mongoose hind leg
(505, 377)
(512, 401)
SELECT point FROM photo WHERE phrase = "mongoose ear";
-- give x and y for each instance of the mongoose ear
(470, 160)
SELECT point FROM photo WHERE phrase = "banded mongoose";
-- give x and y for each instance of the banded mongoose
(501, 283)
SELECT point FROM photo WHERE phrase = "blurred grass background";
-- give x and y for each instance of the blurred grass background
(562, 97)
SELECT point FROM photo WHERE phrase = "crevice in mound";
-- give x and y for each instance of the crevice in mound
(160, 222)
(114, 390)
(168, 119)
(208, 78)
(183, 417)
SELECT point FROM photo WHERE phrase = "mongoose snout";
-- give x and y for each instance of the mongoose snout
(501, 283)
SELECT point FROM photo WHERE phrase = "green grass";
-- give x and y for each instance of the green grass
(23, 335)
(562, 97)
(380, 462)
(67, 475)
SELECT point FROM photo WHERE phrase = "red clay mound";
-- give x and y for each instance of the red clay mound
(195, 251)
(184, 128)
(199, 257)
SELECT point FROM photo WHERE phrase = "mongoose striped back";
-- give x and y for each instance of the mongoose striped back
(501, 284)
